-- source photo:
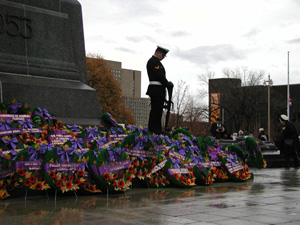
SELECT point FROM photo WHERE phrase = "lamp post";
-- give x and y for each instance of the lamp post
(269, 82)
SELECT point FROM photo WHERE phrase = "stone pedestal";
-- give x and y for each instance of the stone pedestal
(42, 59)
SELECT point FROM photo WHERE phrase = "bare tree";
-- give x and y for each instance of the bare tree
(180, 97)
(242, 103)
(248, 77)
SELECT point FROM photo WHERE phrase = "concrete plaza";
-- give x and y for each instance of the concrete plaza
(272, 197)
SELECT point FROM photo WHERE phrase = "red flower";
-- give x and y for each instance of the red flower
(32, 179)
(27, 182)
(122, 175)
(131, 169)
(63, 177)
(106, 176)
(71, 177)
(52, 174)
(121, 184)
(92, 188)
(59, 183)
(176, 175)
(69, 184)
(21, 172)
(113, 183)
(77, 181)
(115, 175)
(129, 178)
(38, 186)
(80, 173)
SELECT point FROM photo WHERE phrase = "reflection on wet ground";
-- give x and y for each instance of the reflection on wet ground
(272, 197)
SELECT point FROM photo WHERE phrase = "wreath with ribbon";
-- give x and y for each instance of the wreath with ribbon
(63, 168)
(236, 169)
(42, 116)
(158, 177)
(28, 165)
(142, 152)
(7, 179)
(203, 175)
(178, 173)
(255, 156)
(14, 107)
(113, 170)
(81, 147)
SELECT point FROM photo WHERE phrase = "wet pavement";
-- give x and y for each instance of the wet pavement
(272, 197)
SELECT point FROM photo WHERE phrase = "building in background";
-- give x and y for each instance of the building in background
(246, 107)
(130, 81)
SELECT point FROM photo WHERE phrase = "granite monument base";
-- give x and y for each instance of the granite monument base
(61, 97)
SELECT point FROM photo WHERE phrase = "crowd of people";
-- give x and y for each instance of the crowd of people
(287, 142)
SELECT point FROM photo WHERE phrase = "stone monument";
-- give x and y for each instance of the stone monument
(42, 59)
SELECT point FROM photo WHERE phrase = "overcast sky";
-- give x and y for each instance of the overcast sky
(201, 35)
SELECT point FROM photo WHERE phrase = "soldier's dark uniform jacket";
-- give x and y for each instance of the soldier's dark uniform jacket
(156, 72)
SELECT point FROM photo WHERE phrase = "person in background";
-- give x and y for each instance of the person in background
(288, 141)
(218, 130)
(261, 135)
(157, 89)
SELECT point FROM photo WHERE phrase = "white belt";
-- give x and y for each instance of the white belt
(155, 83)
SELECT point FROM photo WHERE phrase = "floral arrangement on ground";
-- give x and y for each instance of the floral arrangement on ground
(39, 153)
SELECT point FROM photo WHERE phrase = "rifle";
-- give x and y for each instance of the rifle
(168, 104)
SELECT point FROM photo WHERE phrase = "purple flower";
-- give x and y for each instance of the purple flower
(5, 125)
(14, 107)
(26, 124)
(12, 142)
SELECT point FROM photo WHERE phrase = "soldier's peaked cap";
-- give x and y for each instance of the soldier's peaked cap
(162, 50)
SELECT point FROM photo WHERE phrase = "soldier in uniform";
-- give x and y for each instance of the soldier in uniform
(157, 88)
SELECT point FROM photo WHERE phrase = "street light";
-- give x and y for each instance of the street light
(269, 82)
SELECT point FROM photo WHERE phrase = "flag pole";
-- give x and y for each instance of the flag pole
(288, 87)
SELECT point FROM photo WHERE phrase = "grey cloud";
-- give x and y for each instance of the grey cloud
(127, 50)
(130, 9)
(140, 39)
(252, 32)
(210, 54)
(180, 34)
(294, 41)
